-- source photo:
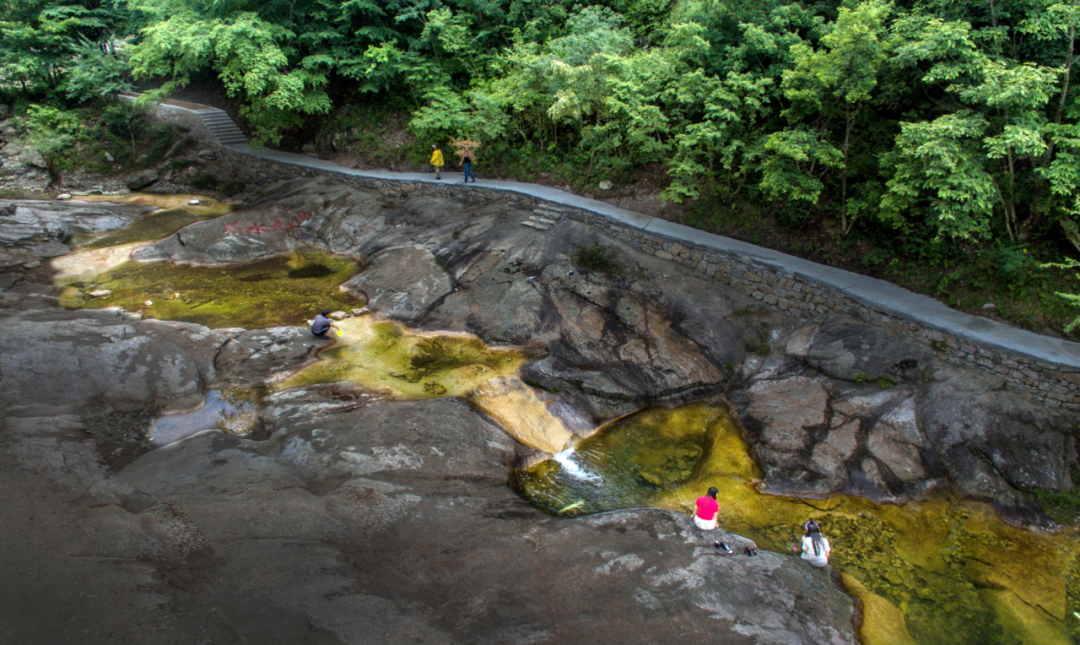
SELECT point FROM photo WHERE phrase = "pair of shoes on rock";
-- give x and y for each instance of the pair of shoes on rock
(722, 546)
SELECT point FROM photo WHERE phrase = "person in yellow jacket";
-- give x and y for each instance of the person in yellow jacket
(437, 161)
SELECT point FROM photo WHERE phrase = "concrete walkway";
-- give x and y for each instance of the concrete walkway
(887, 297)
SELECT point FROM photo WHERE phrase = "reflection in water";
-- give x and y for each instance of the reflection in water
(229, 411)
(942, 571)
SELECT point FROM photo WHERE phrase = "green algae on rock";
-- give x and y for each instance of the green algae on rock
(385, 356)
(176, 213)
(283, 290)
(952, 571)
(149, 227)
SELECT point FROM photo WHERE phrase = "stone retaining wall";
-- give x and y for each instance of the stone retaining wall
(1054, 385)
(186, 119)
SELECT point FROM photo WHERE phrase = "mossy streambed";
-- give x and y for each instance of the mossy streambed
(939, 572)
(283, 290)
(176, 213)
(173, 213)
(400, 363)
(379, 355)
(385, 356)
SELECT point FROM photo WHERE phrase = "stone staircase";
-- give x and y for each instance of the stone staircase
(221, 127)
(544, 217)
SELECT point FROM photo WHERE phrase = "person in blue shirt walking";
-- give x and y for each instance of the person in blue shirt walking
(466, 164)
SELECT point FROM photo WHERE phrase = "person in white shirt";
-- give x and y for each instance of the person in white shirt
(815, 549)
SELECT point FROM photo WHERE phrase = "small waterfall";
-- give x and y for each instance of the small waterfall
(573, 469)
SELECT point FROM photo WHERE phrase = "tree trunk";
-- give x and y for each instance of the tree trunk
(845, 226)
(1010, 210)
(54, 175)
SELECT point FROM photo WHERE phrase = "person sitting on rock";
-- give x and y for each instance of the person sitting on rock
(815, 549)
(322, 324)
(707, 509)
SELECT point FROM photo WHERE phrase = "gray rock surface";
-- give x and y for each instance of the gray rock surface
(401, 283)
(993, 442)
(361, 520)
(818, 428)
(40, 229)
(614, 341)
(251, 358)
(54, 361)
(141, 180)
(854, 351)
(356, 521)
(843, 409)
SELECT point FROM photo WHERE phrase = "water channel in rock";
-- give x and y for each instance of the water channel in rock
(231, 411)
(940, 571)
(943, 571)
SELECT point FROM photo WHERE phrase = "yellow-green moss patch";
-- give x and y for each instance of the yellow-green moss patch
(285, 290)
(385, 356)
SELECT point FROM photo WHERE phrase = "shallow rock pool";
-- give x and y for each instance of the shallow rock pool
(938, 572)
(283, 290)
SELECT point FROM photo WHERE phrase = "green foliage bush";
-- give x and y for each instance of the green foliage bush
(203, 181)
(135, 139)
(232, 187)
(944, 135)
(597, 258)
(53, 133)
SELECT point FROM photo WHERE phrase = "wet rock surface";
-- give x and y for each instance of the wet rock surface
(356, 521)
(866, 415)
(615, 339)
(366, 520)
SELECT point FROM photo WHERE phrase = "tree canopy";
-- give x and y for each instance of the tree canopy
(952, 121)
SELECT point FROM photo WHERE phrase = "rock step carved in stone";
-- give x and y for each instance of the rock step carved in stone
(539, 223)
(550, 211)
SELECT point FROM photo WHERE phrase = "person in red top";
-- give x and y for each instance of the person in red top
(707, 508)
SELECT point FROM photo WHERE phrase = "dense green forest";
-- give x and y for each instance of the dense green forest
(935, 143)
